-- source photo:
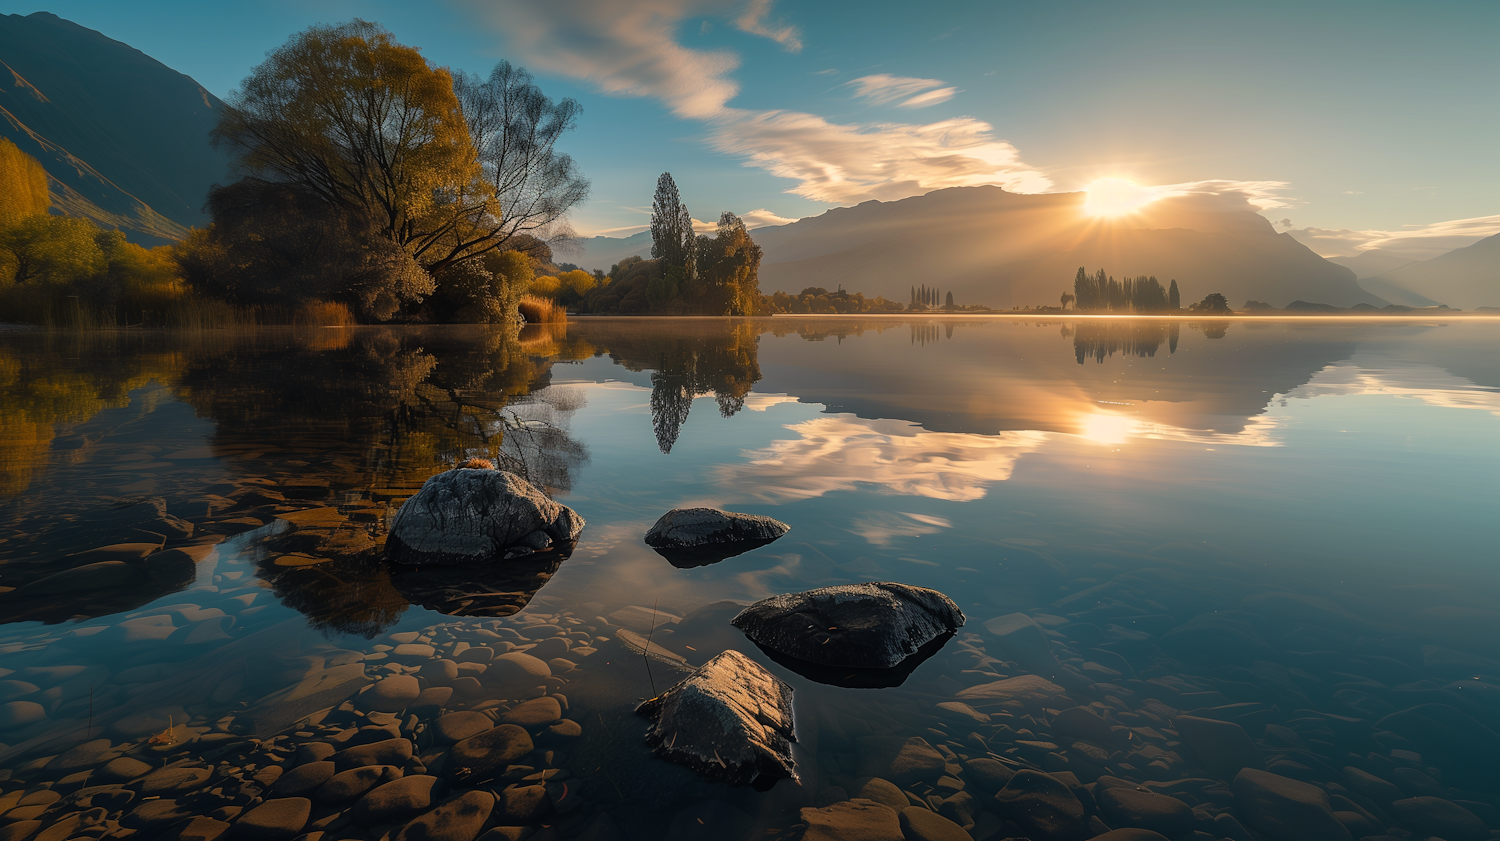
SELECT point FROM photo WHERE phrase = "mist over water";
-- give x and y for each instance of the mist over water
(1286, 525)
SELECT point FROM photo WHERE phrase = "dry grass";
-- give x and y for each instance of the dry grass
(324, 314)
(541, 310)
(477, 464)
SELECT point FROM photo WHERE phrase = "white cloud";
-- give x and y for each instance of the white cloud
(753, 21)
(1418, 242)
(1226, 194)
(848, 163)
(883, 89)
(762, 218)
(630, 48)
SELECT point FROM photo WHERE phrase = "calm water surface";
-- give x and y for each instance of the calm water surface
(1290, 526)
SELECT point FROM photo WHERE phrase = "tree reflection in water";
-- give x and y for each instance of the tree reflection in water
(1103, 339)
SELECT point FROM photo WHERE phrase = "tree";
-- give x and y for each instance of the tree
(729, 266)
(672, 237)
(948, 303)
(23, 185)
(1066, 299)
(1212, 303)
(364, 128)
(1174, 298)
(52, 249)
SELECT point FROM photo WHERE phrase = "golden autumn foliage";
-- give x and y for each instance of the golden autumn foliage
(23, 185)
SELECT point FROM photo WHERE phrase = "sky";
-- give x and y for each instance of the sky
(1350, 124)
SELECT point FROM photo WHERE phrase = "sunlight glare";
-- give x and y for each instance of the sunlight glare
(1105, 428)
(1116, 197)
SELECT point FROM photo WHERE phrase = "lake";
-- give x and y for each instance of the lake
(1283, 530)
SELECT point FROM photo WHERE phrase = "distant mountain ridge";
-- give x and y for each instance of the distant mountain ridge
(123, 137)
(1466, 278)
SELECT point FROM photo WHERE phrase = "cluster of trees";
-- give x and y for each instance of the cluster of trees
(688, 273)
(925, 298)
(371, 177)
(61, 270)
(1101, 293)
(816, 299)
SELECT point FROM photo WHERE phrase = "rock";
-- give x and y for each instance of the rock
(516, 669)
(693, 537)
(881, 791)
(455, 727)
(304, 779)
(710, 819)
(730, 720)
(1129, 807)
(474, 515)
(1083, 723)
(1023, 641)
(1371, 786)
(1436, 816)
(122, 769)
(1416, 783)
(199, 829)
(988, 775)
(398, 800)
(918, 824)
(522, 805)
(385, 752)
(17, 714)
(853, 820)
(1130, 835)
(1450, 739)
(865, 626)
(1284, 808)
(274, 820)
(459, 819)
(1222, 748)
(155, 814)
(20, 830)
(165, 782)
(348, 786)
(390, 695)
(537, 712)
(565, 729)
(1032, 691)
(313, 752)
(93, 576)
(13, 689)
(481, 756)
(899, 759)
(78, 757)
(1043, 805)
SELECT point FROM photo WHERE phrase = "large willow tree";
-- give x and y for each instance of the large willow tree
(371, 175)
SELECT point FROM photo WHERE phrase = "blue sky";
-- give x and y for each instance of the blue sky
(1354, 121)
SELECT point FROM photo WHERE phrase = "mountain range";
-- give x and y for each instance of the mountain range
(1466, 278)
(123, 137)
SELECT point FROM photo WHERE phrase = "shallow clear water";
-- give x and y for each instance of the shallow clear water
(1290, 525)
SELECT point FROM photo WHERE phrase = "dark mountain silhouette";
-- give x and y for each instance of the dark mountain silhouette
(1466, 278)
(1004, 249)
(123, 137)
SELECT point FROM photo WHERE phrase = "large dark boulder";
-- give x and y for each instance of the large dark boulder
(471, 515)
(692, 537)
(731, 720)
(863, 626)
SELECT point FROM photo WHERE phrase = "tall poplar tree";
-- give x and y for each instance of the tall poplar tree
(671, 226)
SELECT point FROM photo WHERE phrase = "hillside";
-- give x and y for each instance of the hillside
(1373, 262)
(1004, 249)
(1465, 278)
(123, 137)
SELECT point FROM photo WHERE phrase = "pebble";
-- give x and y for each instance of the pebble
(391, 694)
(164, 782)
(13, 689)
(534, 713)
(899, 759)
(348, 786)
(199, 829)
(565, 729)
(852, 820)
(990, 775)
(1134, 835)
(155, 814)
(1128, 807)
(1221, 747)
(274, 820)
(122, 769)
(398, 800)
(549, 648)
(1042, 804)
(1436, 816)
(386, 752)
(439, 672)
(313, 752)
(880, 791)
(523, 804)
(1285, 808)
(919, 824)
(303, 779)
(18, 714)
(492, 750)
(457, 726)
(459, 819)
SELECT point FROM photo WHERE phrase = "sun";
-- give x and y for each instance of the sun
(1116, 197)
(1106, 428)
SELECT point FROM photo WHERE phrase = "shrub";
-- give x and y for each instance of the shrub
(541, 310)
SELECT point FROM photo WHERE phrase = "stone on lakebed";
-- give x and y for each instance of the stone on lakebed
(473, 515)
(865, 626)
(685, 528)
(730, 720)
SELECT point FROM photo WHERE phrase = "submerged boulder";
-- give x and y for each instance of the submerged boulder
(731, 720)
(687, 528)
(863, 626)
(476, 514)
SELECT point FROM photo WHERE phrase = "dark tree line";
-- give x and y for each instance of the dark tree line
(1100, 293)
(924, 296)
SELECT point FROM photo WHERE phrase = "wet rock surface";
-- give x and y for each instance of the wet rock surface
(472, 515)
(693, 537)
(866, 626)
(730, 720)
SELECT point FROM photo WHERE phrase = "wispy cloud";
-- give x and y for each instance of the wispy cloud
(845, 163)
(762, 218)
(630, 48)
(753, 20)
(1419, 242)
(905, 91)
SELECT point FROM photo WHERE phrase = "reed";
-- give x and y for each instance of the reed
(537, 310)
